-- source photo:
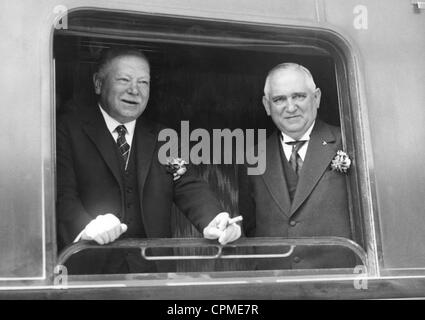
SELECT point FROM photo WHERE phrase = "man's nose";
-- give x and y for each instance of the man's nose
(292, 106)
(133, 88)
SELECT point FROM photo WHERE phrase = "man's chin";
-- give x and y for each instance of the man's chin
(294, 133)
(125, 117)
(132, 117)
(137, 114)
(293, 129)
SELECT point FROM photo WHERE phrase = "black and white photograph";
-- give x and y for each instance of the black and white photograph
(212, 154)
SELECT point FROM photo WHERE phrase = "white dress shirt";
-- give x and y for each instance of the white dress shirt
(287, 148)
(112, 124)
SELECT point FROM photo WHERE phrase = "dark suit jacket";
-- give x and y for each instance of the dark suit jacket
(89, 180)
(319, 208)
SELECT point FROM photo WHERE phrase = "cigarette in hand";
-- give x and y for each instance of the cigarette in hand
(234, 220)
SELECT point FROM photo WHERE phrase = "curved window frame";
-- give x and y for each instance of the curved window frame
(353, 117)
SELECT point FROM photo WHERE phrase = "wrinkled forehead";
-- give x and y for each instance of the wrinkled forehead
(127, 64)
(288, 81)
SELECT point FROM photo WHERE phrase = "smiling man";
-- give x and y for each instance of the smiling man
(298, 195)
(110, 181)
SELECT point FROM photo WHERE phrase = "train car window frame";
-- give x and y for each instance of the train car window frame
(353, 118)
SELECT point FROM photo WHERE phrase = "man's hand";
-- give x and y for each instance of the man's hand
(222, 228)
(104, 229)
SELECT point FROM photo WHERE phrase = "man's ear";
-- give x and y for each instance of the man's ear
(266, 105)
(317, 96)
(97, 82)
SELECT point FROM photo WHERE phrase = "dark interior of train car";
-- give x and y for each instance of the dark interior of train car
(212, 85)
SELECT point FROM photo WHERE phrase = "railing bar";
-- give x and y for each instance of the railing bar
(197, 242)
(152, 258)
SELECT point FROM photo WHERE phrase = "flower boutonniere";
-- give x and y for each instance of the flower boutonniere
(177, 167)
(341, 162)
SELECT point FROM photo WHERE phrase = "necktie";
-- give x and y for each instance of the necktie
(122, 143)
(295, 160)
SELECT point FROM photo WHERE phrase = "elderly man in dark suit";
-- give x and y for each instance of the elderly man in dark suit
(110, 180)
(298, 195)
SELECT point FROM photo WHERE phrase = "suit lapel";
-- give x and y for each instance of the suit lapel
(145, 146)
(96, 129)
(321, 150)
(273, 176)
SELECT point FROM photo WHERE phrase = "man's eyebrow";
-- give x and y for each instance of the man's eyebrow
(290, 94)
(123, 74)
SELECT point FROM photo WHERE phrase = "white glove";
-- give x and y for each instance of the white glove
(223, 228)
(104, 229)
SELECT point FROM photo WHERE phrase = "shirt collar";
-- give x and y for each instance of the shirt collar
(305, 137)
(112, 124)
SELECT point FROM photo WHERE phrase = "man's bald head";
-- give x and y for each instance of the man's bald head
(286, 67)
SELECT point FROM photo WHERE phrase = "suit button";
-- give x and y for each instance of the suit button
(292, 223)
(129, 190)
(129, 205)
(297, 259)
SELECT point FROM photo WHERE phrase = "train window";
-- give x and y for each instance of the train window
(210, 74)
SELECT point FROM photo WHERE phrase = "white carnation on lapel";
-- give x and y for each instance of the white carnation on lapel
(177, 167)
(341, 162)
